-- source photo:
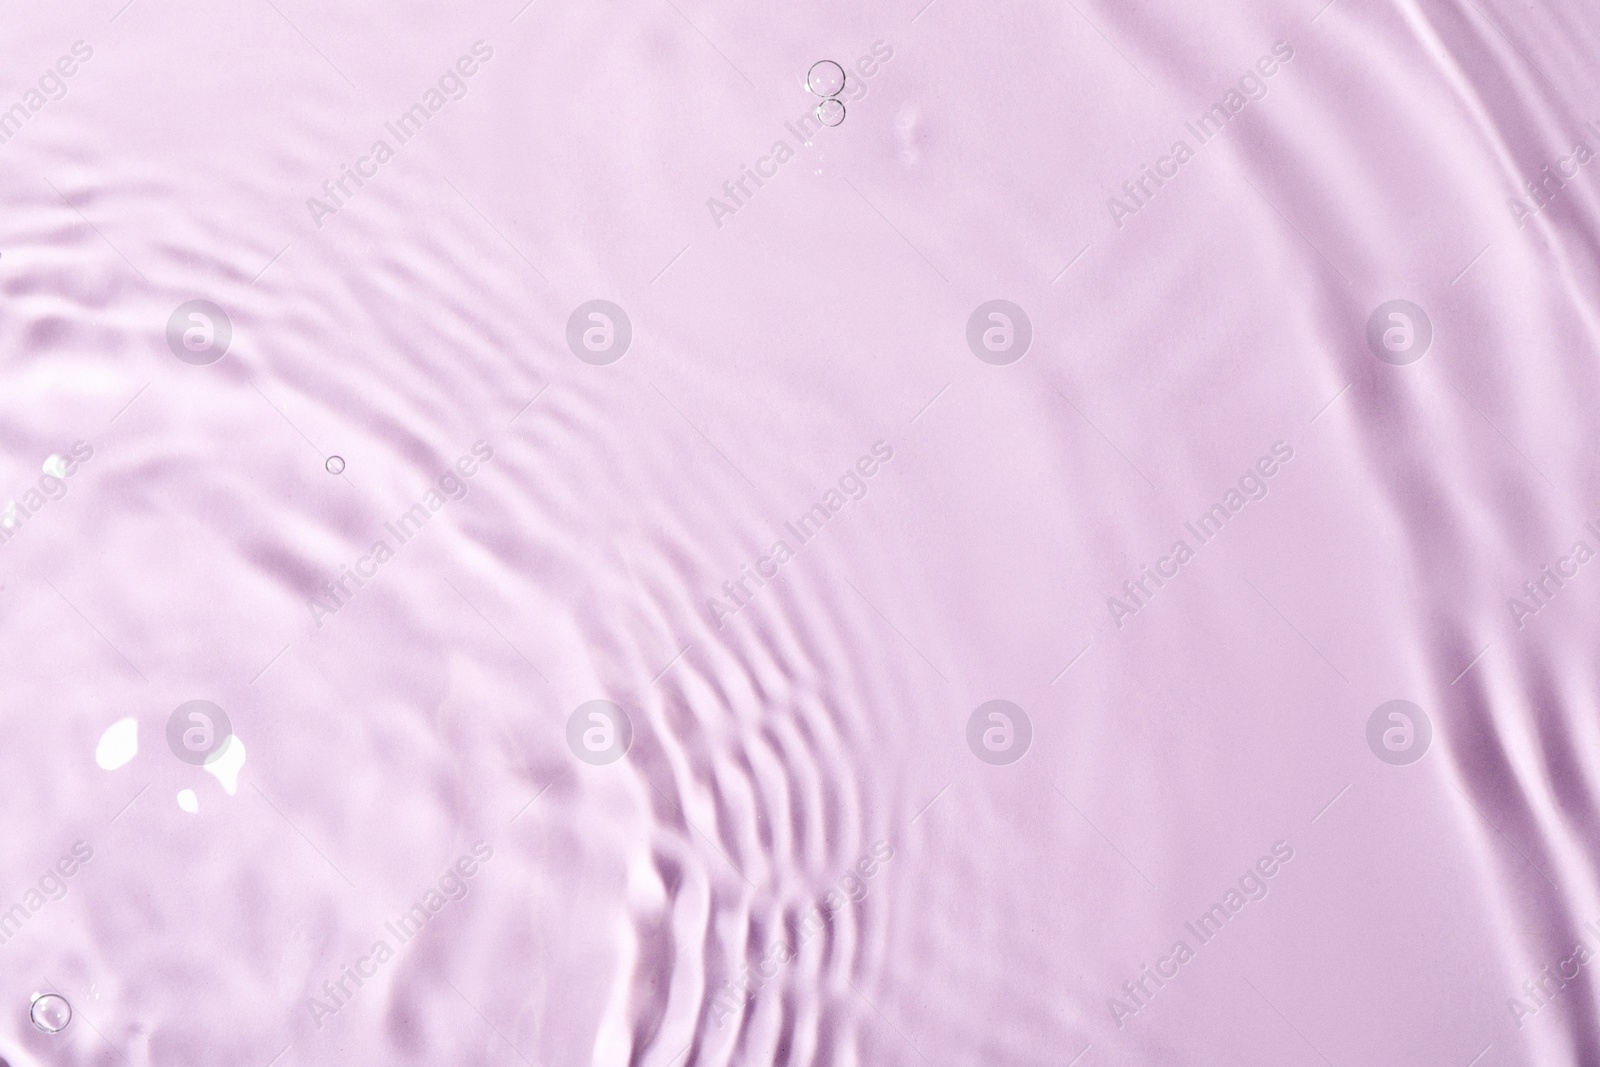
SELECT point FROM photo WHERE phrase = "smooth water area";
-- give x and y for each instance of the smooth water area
(686, 534)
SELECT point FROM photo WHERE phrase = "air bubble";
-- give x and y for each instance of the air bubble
(830, 112)
(826, 78)
(335, 464)
(50, 1013)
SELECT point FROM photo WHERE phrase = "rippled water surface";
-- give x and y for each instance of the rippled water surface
(684, 533)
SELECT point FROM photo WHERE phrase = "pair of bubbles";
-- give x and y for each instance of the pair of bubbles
(826, 79)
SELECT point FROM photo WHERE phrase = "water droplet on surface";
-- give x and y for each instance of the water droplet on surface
(830, 112)
(118, 745)
(825, 78)
(188, 801)
(335, 464)
(227, 763)
(50, 1013)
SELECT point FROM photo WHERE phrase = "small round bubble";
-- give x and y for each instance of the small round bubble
(826, 78)
(335, 464)
(830, 112)
(50, 1012)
